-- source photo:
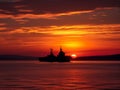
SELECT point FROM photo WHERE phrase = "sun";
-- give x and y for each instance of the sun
(73, 55)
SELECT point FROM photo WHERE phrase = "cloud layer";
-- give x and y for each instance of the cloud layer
(53, 6)
(32, 24)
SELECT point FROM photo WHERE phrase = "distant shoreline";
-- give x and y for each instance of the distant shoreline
(101, 58)
(115, 57)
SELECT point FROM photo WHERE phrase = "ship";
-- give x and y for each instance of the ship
(61, 57)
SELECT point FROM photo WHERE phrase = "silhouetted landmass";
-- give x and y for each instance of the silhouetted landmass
(115, 57)
(17, 57)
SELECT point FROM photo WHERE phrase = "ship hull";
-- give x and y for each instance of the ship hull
(54, 59)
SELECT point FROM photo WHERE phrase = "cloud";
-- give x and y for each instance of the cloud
(45, 16)
(68, 30)
(97, 16)
(2, 24)
(58, 12)
(54, 6)
(9, 0)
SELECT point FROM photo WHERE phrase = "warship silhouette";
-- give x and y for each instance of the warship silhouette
(52, 58)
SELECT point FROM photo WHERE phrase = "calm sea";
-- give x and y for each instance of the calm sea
(35, 75)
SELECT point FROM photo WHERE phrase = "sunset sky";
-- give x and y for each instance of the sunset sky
(82, 27)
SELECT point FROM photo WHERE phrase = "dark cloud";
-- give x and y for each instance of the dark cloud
(36, 7)
(97, 17)
(9, 0)
(53, 6)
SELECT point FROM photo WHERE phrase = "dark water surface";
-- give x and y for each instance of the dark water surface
(34, 75)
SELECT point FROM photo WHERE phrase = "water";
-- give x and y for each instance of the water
(33, 75)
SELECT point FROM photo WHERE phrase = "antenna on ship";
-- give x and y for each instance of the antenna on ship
(60, 48)
(51, 51)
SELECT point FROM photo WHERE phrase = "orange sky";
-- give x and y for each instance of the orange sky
(32, 29)
(78, 39)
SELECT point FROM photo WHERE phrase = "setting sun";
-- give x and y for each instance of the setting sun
(73, 55)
